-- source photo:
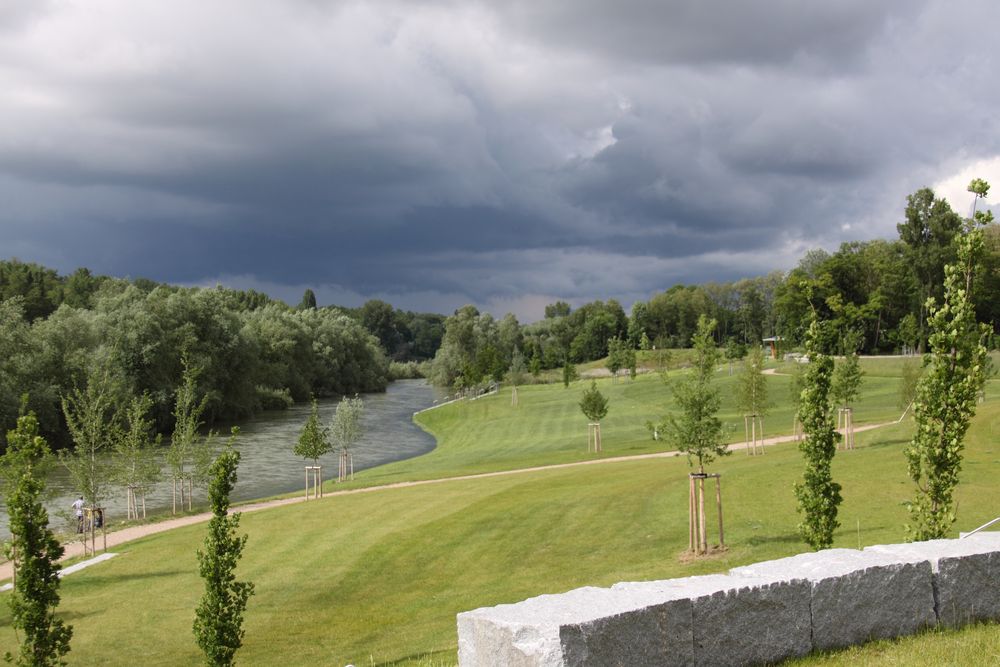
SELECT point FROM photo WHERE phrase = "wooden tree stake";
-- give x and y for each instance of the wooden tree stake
(314, 474)
(594, 436)
(845, 424)
(697, 528)
(754, 428)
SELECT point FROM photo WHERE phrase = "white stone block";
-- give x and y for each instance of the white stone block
(966, 575)
(740, 620)
(587, 626)
(857, 596)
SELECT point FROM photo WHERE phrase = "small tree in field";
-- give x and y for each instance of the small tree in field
(34, 548)
(346, 431)
(734, 352)
(188, 455)
(314, 440)
(93, 420)
(698, 430)
(218, 623)
(954, 374)
(135, 463)
(594, 406)
(818, 495)
(569, 373)
(847, 375)
(751, 398)
(615, 361)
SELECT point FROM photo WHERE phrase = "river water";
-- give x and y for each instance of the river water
(267, 464)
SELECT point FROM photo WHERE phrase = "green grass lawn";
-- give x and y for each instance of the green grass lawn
(547, 426)
(379, 577)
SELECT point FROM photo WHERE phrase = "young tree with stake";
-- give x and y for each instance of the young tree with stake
(189, 453)
(752, 396)
(346, 431)
(698, 430)
(93, 420)
(135, 461)
(594, 406)
(314, 440)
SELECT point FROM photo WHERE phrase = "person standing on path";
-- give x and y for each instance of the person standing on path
(78, 507)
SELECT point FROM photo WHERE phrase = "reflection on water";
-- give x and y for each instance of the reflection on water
(267, 465)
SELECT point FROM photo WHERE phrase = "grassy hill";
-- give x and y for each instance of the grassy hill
(378, 577)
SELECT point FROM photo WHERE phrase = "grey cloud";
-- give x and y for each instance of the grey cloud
(479, 152)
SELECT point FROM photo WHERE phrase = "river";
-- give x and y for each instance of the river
(267, 464)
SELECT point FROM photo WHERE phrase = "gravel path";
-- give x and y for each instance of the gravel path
(74, 549)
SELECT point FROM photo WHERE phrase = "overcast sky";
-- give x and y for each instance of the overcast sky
(505, 154)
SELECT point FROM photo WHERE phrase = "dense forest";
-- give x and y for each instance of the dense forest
(873, 292)
(253, 352)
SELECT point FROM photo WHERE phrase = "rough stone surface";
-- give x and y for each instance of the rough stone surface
(856, 595)
(966, 575)
(760, 613)
(740, 620)
(587, 626)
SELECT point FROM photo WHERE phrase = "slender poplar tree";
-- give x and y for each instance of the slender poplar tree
(954, 374)
(35, 549)
(818, 495)
(218, 623)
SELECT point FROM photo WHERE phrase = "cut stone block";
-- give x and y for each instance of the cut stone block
(966, 575)
(857, 596)
(740, 620)
(587, 626)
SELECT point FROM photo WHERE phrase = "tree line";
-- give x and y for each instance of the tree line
(253, 352)
(874, 294)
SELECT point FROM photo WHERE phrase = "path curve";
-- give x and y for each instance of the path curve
(75, 549)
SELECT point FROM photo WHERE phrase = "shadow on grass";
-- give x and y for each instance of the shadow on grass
(104, 580)
(788, 538)
(883, 444)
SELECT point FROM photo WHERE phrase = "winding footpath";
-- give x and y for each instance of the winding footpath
(74, 549)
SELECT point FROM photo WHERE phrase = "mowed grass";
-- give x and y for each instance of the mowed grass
(547, 427)
(378, 577)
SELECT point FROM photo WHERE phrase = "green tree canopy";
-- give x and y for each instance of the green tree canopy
(34, 600)
(594, 404)
(218, 624)
(697, 430)
(314, 440)
(954, 373)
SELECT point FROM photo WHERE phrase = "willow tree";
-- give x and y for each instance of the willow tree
(818, 495)
(954, 374)
(189, 453)
(93, 420)
(346, 431)
(135, 461)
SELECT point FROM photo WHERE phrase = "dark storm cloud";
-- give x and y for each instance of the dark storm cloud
(439, 152)
(709, 31)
